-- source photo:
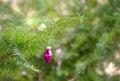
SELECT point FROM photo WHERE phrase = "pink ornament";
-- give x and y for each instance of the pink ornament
(48, 55)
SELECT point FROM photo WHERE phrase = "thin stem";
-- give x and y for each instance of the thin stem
(62, 23)
(5, 56)
(44, 32)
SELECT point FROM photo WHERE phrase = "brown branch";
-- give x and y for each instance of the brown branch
(5, 56)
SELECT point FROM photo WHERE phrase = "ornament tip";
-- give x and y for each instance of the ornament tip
(48, 47)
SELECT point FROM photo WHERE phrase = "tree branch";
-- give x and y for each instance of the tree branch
(5, 56)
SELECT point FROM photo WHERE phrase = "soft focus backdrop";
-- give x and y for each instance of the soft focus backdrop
(85, 46)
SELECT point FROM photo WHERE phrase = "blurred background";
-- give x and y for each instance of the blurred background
(86, 52)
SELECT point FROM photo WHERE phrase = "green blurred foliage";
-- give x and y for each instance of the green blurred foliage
(84, 35)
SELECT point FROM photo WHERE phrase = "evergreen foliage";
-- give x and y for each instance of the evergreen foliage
(83, 34)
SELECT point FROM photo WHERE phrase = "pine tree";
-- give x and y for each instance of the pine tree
(83, 34)
(22, 40)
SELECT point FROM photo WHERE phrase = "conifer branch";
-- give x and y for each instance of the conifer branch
(42, 33)
(64, 21)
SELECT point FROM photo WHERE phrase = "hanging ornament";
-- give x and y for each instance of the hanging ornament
(48, 55)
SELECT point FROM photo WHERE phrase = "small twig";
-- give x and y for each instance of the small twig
(5, 56)
(44, 32)
(63, 23)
